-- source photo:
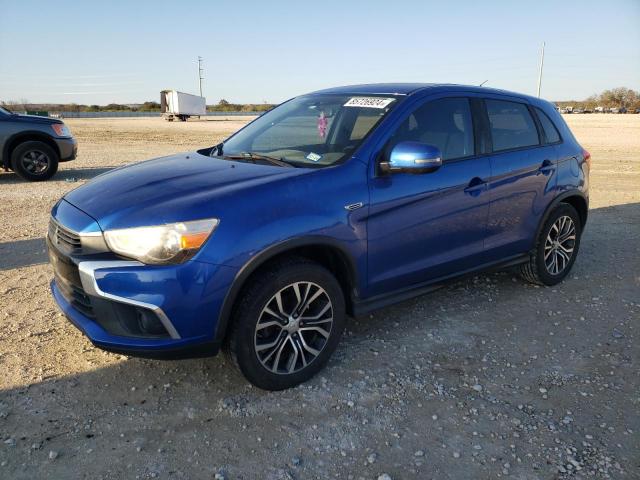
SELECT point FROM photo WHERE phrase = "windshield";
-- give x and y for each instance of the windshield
(310, 131)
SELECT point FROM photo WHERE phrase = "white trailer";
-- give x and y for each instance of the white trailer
(174, 104)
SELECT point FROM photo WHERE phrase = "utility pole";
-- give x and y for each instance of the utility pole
(200, 72)
(540, 71)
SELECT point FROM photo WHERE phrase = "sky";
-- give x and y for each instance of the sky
(95, 52)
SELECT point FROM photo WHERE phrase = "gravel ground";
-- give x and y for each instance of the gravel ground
(490, 377)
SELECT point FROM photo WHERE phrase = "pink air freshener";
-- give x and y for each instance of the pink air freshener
(323, 123)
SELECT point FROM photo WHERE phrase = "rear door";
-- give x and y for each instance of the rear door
(423, 227)
(523, 176)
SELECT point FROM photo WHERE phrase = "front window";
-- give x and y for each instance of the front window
(310, 131)
(444, 123)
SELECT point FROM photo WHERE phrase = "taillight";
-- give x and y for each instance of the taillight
(587, 158)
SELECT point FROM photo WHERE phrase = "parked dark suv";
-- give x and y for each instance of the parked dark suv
(334, 203)
(32, 146)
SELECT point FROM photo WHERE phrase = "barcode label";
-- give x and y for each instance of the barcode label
(369, 102)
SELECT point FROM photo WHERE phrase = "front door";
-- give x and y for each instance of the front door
(423, 227)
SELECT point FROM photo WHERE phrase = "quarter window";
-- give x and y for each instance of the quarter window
(444, 123)
(550, 131)
(511, 125)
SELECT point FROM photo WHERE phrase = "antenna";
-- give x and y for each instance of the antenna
(200, 73)
(483, 83)
(540, 71)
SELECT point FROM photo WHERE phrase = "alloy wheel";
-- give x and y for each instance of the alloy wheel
(35, 162)
(559, 245)
(293, 328)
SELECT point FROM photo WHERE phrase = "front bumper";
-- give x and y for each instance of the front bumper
(109, 300)
(159, 349)
(68, 148)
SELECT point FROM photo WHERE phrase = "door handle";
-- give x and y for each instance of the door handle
(547, 167)
(475, 187)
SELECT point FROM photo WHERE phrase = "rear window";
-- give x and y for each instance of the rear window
(511, 125)
(550, 131)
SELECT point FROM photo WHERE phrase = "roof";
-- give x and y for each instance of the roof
(378, 88)
(410, 88)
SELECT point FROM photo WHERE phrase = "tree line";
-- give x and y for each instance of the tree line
(225, 106)
(24, 105)
(616, 97)
(621, 97)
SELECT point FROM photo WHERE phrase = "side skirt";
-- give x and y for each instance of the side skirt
(363, 307)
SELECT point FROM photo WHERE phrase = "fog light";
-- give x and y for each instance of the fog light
(149, 323)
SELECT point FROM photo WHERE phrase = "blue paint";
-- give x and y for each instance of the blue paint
(411, 229)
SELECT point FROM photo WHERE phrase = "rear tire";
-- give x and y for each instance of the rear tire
(34, 161)
(275, 341)
(556, 247)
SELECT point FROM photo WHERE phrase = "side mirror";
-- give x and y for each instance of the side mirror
(412, 157)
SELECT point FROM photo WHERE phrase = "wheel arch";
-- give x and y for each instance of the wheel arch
(579, 202)
(576, 199)
(325, 251)
(28, 136)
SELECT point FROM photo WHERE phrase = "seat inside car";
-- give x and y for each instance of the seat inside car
(441, 123)
(444, 127)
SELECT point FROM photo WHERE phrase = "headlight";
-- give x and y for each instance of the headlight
(61, 130)
(172, 243)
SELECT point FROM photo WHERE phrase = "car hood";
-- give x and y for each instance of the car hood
(34, 119)
(176, 188)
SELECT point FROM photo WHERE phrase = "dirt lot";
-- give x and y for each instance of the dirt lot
(490, 377)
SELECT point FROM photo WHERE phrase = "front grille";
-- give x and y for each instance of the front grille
(67, 277)
(82, 302)
(75, 295)
(63, 238)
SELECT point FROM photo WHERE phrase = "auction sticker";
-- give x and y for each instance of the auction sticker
(369, 102)
(314, 157)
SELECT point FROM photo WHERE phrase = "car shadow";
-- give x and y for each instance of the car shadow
(63, 174)
(81, 173)
(23, 253)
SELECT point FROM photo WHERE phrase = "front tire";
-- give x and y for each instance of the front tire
(34, 161)
(288, 324)
(556, 247)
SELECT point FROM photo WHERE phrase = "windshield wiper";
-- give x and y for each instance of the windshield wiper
(259, 156)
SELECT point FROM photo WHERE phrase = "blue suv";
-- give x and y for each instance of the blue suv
(334, 203)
